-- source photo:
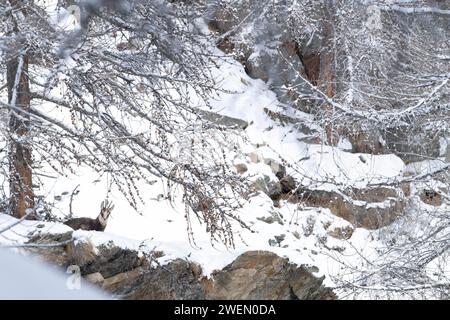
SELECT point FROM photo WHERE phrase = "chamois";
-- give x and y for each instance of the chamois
(88, 224)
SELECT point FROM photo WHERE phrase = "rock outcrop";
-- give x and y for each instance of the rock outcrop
(253, 275)
(107, 259)
(121, 272)
(366, 208)
(178, 280)
(295, 44)
(370, 208)
(265, 276)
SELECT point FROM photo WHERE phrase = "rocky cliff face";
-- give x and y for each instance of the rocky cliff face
(364, 54)
(123, 273)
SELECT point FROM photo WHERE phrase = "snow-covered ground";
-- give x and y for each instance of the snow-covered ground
(24, 278)
(161, 225)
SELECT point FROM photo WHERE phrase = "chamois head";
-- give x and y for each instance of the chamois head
(105, 211)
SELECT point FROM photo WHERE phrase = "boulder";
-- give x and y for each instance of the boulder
(288, 184)
(310, 135)
(122, 283)
(261, 275)
(241, 168)
(341, 232)
(277, 168)
(260, 184)
(274, 190)
(431, 197)
(378, 194)
(409, 144)
(95, 278)
(412, 144)
(178, 280)
(221, 120)
(272, 218)
(81, 253)
(222, 18)
(106, 259)
(53, 254)
(364, 141)
(282, 68)
(371, 208)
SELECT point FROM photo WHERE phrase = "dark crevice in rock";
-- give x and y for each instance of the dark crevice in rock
(293, 296)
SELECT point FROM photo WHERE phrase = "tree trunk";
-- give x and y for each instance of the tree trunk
(327, 67)
(20, 159)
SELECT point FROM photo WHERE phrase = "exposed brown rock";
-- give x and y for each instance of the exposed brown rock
(406, 188)
(363, 141)
(56, 254)
(122, 282)
(272, 218)
(288, 184)
(178, 280)
(408, 144)
(222, 120)
(241, 168)
(253, 275)
(342, 233)
(311, 63)
(431, 197)
(378, 194)
(80, 253)
(95, 278)
(370, 209)
(264, 275)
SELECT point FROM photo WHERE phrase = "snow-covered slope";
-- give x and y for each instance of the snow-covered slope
(24, 278)
(304, 235)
